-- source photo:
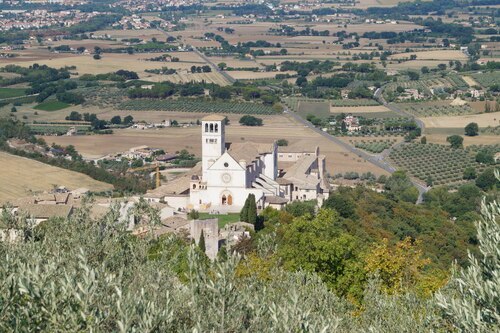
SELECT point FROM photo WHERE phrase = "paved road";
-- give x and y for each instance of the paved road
(205, 58)
(379, 96)
(377, 160)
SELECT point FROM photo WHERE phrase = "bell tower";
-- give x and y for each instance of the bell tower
(213, 141)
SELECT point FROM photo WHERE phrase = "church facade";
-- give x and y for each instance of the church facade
(229, 172)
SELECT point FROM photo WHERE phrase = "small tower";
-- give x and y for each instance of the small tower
(212, 141)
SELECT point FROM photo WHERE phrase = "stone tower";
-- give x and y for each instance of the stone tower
(213, 142)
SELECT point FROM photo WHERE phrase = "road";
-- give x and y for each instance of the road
(377, 160)
(215, 68)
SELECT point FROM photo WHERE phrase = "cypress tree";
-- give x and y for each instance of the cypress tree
(201, 242)
(252, 210)
(244, 212)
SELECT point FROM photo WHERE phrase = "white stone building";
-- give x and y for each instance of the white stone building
(229, 172)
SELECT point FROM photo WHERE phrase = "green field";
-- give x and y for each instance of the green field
(440, 163)
(318, 109)
(12, 92)
(51, 106)
(223, 218)
(196, 105)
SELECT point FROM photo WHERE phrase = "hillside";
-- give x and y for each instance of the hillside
(21, 176)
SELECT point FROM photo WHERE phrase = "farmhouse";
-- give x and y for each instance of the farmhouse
(229, 172)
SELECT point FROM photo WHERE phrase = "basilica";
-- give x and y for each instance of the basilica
(229, 172)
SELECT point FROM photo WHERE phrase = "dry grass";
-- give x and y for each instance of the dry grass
(174, 139)
(359, 109)
(21, 176)
(483, 120)
(470, 81)
(247, 75)
(468, 140)
(433, 55)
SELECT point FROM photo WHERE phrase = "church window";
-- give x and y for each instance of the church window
(194, 186)
(216, 128)
(206, 127)
(211, 128)
(226, 164)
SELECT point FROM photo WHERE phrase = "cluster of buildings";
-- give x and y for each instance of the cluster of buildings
(230, 172)
(227, 174)
(40, 18)
(133, 22)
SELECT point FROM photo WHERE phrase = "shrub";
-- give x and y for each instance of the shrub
(250, 121)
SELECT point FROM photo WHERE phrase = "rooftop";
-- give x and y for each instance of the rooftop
(213, 117)
(249, 151)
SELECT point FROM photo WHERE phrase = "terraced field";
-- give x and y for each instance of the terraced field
(440, 163)
(424, 110)
(196, 105)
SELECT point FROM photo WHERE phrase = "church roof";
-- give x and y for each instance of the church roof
(249, 151)
(298, 172)
(213, 117)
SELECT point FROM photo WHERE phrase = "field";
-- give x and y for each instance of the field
(51, 106)
(375, 146)
(173, 139)
(21, 177)
(433, 110)
(483, 120)
(487, 79)
(318, 109)
(433, 55)
(11, 92)
(223, 218)
(196, 105)
(438, 163)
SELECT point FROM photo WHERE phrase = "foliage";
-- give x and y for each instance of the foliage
(250, 121)
(196, 105)
(455, 141)
(249, 211)
(399, 267)
(443, 163)
(472, 129)
(471, 301)
(300, 208)
(399, 186)
(51, 105)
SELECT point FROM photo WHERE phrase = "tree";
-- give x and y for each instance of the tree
(252, 209)
(250, 121)
(301, 208)
(471, 300)
(423, 140)
(455, 141)
(201, 242)
(116, 120)
(97, 56)
(74, 116)
(469, 173)
(487, 180)
(323, 249)
(472, 129)
(342, 204)
(13, 109)
(282, 142)
(193, 214)
(399, 267)
(301, 81)
(222, 66)
(485, 157)
(128, 120)
(414, 76)
(400, 187)
(424, 70)
(249, 211)
(244, 212)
